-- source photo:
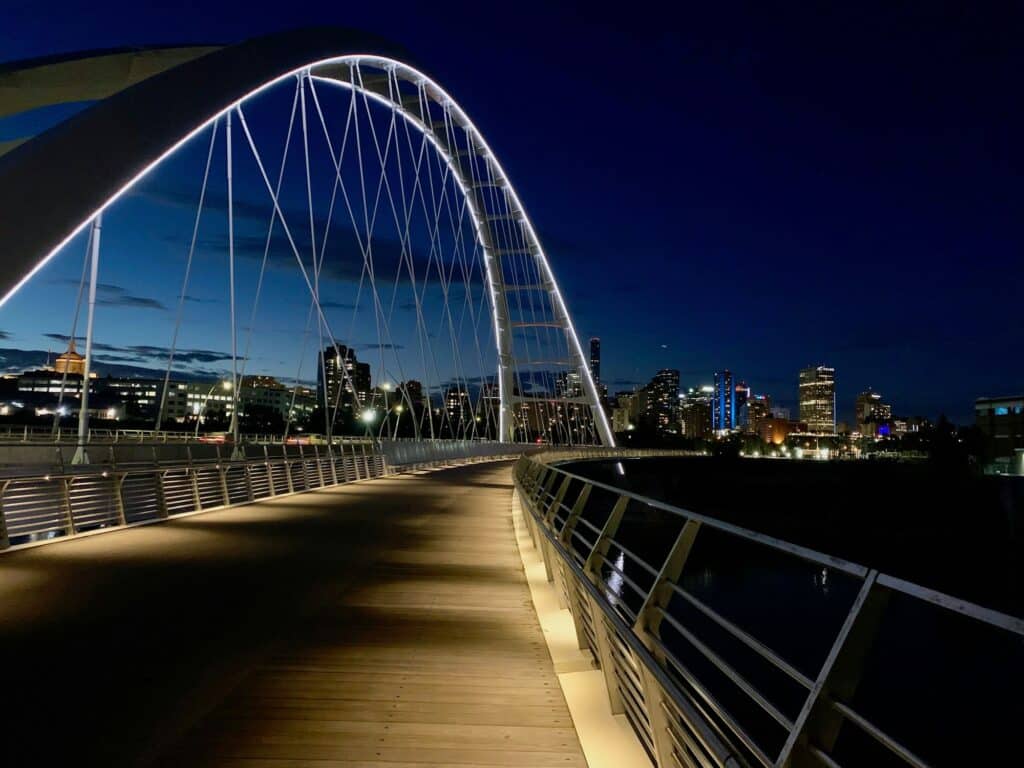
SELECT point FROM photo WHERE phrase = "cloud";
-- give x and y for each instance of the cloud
(374, 345)
(343, 259)
(144, 353)
(198, 300)
(110, 295)
(4, 335)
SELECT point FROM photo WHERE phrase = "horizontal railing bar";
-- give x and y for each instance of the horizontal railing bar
(718, 709)
(824, 759)
(628, 687)
(589, 525)
(745, 638)
(985, 615)
(635, 558)
(581, 537)
(878, 734)
(677, 729)
(726, 669)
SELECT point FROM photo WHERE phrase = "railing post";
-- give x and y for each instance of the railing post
(319, 467)
(65, 484)
(355, 463)
(604, 650)
(647, 626)
(287, 467)
(366, 462)
(648, 618)
(302, 464)
(192, 476)
(161, 498)
(334, 469)
(553, 574)
(118, 480)
(270, 471)
(572, 593)
(247, 471)
(5, 540)
(842, 670)
(222, 476)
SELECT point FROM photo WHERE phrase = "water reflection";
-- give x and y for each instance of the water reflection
(821, 581)
(614, 590)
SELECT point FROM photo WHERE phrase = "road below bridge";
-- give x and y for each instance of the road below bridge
(378, 623)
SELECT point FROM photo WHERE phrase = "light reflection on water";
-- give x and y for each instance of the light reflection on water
(614, 590)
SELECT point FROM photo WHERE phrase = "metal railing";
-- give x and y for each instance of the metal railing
(130, 485)
(61, 435)
(726, 647)
(70, 500)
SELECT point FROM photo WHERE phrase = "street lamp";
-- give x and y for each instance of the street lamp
(202, 408)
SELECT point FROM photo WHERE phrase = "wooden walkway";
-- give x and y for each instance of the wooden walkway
(415, 643)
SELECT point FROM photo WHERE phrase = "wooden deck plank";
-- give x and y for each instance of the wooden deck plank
(434, 656)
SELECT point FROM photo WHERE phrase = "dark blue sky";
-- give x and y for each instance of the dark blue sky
(739, 187)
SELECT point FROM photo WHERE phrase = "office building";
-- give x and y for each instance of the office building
(458, 406)
(817, 391)
(663, 400)
(568, 384)
(595, 361)
(743, 395)
(1001, 420)
(341, 379)
(696, 408)
(264, 392)
(870, 412)
(209, 399)
(141, 397)
(758, 407)
(723, 416)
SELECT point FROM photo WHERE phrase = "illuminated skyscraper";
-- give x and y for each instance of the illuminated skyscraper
(743, 396)
(595, 361)
(663, 400)
(870, 409)
(723, 415)
(696, 406)
(818, 399)
(338, 386)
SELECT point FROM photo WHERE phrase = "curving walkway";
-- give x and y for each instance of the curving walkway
(385, 623)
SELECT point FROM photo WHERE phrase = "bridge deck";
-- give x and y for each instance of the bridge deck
(384, 623)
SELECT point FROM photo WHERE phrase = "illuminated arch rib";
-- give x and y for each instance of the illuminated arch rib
(55, 183)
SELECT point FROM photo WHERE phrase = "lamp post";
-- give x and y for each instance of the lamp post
(398, 411)
(202, 408)
(367, 417)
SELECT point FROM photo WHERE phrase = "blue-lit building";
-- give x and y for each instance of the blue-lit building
(723, 412)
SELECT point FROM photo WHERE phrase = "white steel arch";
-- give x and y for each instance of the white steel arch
(390, 93)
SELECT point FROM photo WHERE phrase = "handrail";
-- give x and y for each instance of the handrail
(680, 713)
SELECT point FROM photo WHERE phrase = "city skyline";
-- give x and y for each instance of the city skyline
(790, 211)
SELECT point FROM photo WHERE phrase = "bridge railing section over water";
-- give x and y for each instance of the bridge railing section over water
(725, 647)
